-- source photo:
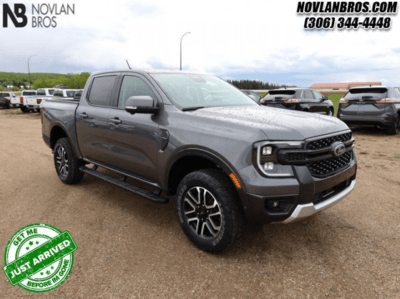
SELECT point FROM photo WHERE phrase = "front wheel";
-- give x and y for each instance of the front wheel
(208, 210)
(331, 112)
(67, 166)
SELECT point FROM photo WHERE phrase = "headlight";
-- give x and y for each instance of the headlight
(266, 157)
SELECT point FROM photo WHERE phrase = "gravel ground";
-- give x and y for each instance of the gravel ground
(130, 247)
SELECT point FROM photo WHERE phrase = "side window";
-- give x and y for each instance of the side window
(308, 94)
(100, 93)
(133, 86)
(58, 93)
(317, 95)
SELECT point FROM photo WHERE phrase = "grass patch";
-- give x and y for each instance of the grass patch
(335, 98)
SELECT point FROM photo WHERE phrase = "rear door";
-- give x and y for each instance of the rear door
(92, 118)
(363, 102)
(134, 139)
(318, 104)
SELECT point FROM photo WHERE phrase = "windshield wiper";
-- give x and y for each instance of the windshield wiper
(192, 108)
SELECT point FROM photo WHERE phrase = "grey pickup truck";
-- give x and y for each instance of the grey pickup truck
(226, 159)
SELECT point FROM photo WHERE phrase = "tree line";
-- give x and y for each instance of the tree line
(254, 84)
(42, 80)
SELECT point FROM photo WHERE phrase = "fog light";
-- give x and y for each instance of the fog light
(267, 150)
(269, 166)
(275, 204)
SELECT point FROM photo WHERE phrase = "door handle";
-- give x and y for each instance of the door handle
(83, 115)
(116, 120)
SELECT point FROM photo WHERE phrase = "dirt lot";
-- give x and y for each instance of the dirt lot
(130, 247)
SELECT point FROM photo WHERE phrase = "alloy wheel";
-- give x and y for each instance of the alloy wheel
(203, 213)
(62, 161)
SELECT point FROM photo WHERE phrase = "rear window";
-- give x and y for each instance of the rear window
(29, 93)
(277, 94)
(4, 94)
(41, 93)
(359, 93)
(100, 93)
(58, 93)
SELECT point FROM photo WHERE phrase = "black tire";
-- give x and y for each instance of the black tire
(394, 129)
(67, 165)
(331, 112)
(24, 109)
(201, 225)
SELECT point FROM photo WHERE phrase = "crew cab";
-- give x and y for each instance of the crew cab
(5, 99)
(372, 106)
(301, 99)
(198, 138)
(34, 102)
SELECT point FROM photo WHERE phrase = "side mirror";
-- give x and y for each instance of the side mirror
(141, 104)
(324, 99)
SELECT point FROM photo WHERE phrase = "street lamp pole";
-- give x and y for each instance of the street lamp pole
(181, 47)
(29, 71)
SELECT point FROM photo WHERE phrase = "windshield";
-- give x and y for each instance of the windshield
(29, 93)
(366, 93)
(190, 90)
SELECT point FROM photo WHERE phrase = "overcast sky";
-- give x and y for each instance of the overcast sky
(232, 39)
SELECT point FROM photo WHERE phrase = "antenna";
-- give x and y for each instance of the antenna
(128, 64)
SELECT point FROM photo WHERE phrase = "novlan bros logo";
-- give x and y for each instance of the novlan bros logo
(19, 12)
(43, 15)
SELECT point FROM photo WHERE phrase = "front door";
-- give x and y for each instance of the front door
(134, 138)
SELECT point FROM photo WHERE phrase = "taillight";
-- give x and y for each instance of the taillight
(384, 101)
(38, 101)
(21, 100)
(343, 101)
(293, 101)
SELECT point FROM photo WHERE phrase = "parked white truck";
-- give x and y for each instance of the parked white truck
(34, 102)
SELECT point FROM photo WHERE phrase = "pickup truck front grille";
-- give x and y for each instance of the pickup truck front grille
(325, 142)
(318, 155)
(331, 165)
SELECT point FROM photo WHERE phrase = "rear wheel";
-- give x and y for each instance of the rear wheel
(394, 129)
(208, 210)
(67, 165)
(24, 109)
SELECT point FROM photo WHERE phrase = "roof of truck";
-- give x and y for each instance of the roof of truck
(151, 72)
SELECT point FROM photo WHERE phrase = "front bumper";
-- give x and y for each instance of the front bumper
(307, 210)
(302, 195)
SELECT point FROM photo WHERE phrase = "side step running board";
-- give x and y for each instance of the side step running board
(154, 197)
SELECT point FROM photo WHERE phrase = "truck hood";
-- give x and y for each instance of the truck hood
(275, 123)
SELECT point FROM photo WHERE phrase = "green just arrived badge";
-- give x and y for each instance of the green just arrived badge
(39, 257)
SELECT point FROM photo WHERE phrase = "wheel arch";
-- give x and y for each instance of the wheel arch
(58, 131)
(196, 159)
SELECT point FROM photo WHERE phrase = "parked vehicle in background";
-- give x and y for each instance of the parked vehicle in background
(253, 95)
(375, 105)
(34, 102)
(78, 94)
(301, 99)
(5, 99)
(199, 138)
(64, 94)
